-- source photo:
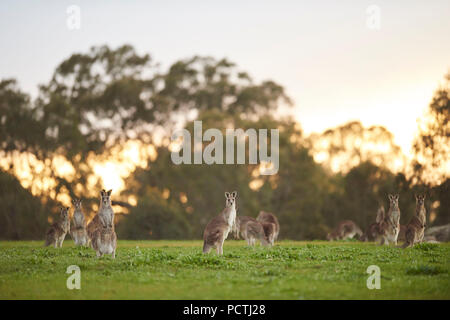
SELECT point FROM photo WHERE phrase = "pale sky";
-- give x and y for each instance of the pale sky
(331, 63)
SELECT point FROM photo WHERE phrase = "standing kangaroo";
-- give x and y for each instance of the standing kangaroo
(218, 228)
(78, 226)
(389, 225)
(101, 228)
(416, 227)
(58, 230)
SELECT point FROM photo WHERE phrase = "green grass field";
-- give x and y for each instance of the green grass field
(178, 270)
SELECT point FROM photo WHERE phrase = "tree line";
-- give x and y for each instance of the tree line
(105, 97)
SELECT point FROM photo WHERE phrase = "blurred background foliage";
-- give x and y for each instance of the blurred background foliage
(97, 102)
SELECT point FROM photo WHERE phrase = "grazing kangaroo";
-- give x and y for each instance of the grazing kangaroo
(269, 217)
(253, 230)
(389, 226)
(78, 226)
(372, 230)
(269, 231)
(240, 226)
(416, 227)
(101, 228)
(370, 233)
(345, 230)
(218, 228)
(58, 230)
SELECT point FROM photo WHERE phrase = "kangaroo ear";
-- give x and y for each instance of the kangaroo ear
(390, 196)
(234, 194)
(397, 196)
(227, 195)
(109, 192)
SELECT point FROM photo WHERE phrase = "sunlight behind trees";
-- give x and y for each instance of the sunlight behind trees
(346, 146)
(432, 144)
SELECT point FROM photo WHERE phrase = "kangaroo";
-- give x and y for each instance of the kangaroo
(345, 230)
(254, 230)
(251, 230)
(269, 231)
(78, 226)
(218, 228)
(240, 226)
(370, 233)
(235, 229)
(269, 218)
(92, 226)
(416, 227)
(374, 231)
(102, 233)
(58, 230)
(389, 226)
(96, 223)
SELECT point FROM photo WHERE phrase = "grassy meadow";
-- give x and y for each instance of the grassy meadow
(178, 270)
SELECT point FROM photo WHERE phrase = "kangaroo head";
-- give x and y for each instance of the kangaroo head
(230, 198)
(64, 213)
(76, 203)
(105, 197)
(420, 199)
(393, 200)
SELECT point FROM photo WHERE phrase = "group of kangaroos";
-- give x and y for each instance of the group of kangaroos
(100, 234)
(387, 228)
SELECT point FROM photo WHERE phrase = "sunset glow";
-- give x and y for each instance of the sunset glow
(121, 162)
(110, 172)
